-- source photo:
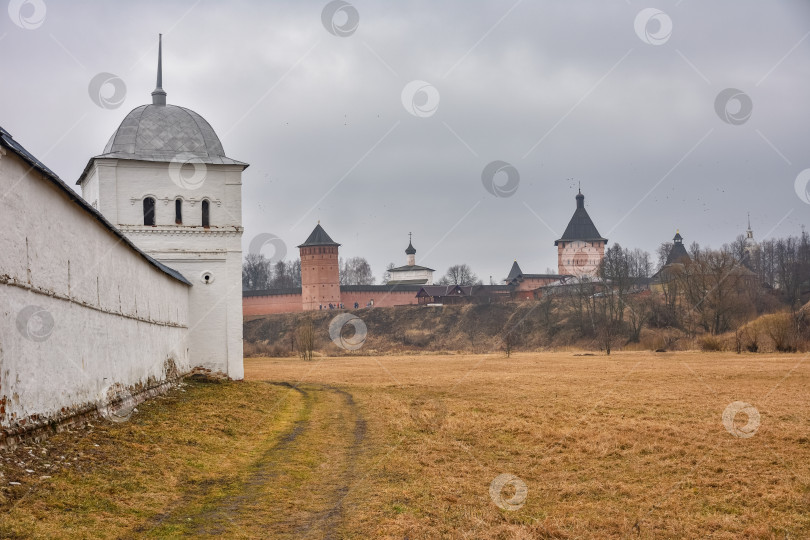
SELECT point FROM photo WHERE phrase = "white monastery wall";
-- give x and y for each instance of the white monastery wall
(80, 309)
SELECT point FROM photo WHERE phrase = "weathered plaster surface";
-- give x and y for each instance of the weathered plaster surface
(116, 318)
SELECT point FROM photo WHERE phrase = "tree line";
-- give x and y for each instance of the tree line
(260, 273)
(713, 292)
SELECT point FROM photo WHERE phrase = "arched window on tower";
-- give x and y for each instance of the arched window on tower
(206, 220)
(149, 211)
(178, 211)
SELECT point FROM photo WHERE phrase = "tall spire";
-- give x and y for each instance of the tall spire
(159, 95)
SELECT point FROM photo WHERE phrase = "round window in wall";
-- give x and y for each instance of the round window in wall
(207, 277)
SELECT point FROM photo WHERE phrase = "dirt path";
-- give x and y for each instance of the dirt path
(295, 484)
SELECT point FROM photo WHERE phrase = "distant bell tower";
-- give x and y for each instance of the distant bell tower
(750, 243)
(320, 276)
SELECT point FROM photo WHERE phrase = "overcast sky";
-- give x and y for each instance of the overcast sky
(623, 100)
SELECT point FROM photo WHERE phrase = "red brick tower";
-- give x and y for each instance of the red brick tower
(320, 279)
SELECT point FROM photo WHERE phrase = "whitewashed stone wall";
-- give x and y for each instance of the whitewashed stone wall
(80, 309)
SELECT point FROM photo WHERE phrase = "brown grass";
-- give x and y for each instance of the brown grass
(630, 445)
(626, 446)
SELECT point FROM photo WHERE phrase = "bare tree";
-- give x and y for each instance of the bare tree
(717, 290)
(355, 271)
(460, 274)
(662, 253)
(387, 274)
(256, 272)
(293, 270)
(281, 278)
(305, 339)
(509, 342)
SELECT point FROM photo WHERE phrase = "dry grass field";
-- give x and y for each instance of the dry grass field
(628, 446)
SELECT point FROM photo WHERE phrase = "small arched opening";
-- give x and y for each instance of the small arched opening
(206, 216)
(149, 211)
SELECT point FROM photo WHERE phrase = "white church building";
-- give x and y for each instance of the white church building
(128, 286)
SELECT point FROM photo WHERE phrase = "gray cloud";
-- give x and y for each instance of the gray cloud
(306, 107)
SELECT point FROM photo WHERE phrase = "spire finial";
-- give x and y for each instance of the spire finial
(580, 186)
(159, 95)
(749, 220)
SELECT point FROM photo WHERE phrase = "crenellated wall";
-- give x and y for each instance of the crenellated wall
(269, 302)
(81, 309)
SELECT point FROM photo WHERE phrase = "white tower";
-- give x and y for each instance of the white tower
(164, 180)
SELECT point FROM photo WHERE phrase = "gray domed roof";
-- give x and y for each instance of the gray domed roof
(162, 132)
